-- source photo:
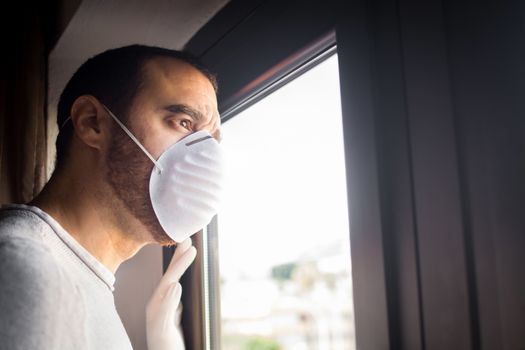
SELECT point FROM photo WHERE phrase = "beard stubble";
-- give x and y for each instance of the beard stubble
(128, 175)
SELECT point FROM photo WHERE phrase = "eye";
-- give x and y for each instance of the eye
(185, 123)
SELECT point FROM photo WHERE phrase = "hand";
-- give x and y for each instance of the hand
(162, 312)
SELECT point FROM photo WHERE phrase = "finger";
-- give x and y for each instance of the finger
(181, 248)
(180, 265)
(175, 271)
(184, 245)
(168, 305)
(178, 314)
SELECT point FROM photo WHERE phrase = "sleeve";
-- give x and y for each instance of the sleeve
(29, 288)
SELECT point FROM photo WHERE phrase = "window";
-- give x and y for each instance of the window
(283, 234)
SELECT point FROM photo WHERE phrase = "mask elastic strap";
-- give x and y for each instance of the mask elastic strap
(126, 130)
(65, 122)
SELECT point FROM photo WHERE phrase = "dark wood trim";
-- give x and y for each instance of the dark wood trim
(396, 179)
(272, 33)
(366, 231)
(440, 225)
(233, 14)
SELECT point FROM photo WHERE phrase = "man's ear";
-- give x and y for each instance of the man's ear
(89, 121)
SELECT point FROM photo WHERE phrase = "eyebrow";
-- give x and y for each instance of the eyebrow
(182, 108)
(195, 114)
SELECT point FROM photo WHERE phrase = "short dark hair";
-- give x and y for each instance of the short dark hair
(114, 77)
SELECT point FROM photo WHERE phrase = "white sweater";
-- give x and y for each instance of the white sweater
(53, 293)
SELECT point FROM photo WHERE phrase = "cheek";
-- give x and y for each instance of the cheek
(154, 134)
(159, 145)
(157, 140)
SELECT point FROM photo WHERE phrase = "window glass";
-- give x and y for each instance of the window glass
(283, 233)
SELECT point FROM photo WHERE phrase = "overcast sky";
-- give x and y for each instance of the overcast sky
(286, 191)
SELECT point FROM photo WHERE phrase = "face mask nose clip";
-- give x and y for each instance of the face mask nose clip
(198, 140)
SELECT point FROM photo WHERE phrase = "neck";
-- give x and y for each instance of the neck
(87, 214)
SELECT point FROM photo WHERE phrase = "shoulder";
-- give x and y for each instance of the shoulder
(25, 262)
(30, 283)
(16, 222)
(24, 259)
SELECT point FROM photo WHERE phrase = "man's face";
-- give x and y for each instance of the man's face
(175, 101)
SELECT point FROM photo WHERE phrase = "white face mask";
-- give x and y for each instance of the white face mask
(185, 183)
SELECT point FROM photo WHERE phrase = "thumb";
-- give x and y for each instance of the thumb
(170, 302)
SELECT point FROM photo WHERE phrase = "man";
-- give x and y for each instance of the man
(136, 165)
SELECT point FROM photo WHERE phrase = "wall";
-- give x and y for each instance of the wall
(136, 279)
